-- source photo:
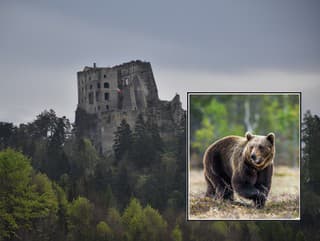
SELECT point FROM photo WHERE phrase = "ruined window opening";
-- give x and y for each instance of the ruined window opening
(98, 107)
(98, 86)
(90, 98)
(106, 85)
(106, 96)
(107, 107)
(97, 96)
(90, 87)
(104, 76)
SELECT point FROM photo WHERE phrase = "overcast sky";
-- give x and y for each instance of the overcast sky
(192, 46)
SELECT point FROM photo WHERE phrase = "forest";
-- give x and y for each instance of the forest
(54, 185)
(216, 116)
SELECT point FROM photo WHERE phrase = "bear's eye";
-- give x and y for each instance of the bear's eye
(261, 147)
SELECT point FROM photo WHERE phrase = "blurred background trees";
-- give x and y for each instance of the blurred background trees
(215, 116)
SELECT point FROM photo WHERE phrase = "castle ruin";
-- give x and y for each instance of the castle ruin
(106, 95)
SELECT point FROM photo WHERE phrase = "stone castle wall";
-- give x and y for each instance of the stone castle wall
(108, 95)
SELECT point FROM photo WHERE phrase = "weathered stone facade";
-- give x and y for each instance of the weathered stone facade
(108, 95)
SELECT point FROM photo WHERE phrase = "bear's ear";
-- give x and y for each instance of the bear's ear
(249, 136)
(270, 137)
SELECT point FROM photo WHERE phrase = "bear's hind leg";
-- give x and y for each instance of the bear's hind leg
(223, 188)
(210, 188)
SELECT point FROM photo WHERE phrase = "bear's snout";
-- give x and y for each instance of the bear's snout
(255, 159)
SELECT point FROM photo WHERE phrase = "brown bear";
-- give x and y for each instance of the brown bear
(241, 164)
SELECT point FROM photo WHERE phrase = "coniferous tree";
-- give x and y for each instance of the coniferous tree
(311, 151)
(155, 141)
(147, 143)
(6, 132)
(122, 140)
(140, 143)
(57, 162)
(310, 194)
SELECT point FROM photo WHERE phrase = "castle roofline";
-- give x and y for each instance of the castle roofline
(130, 63)
(88, 68)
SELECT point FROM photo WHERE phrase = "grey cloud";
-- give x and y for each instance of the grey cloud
(216, 35)
(44, 43)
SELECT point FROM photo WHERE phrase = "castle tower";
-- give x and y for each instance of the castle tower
(108, 95)
(126, 87)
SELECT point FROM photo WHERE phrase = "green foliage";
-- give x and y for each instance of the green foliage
(115, 221)
(132, 220)
(86, 158)
(154, 226)
(46, 200)
(220, 228)
(80, 218)
(176, 234)
(32, 207)
(62, 214)
(47, 206)
(203, 136)
(15, 192)
(42, 140)
(143, 224)
(104, 232)
(214, 124)
(216, 116)
(24, 197)
(83, 159)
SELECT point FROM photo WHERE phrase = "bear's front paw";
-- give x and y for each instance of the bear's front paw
(260, 200)
(263, 188)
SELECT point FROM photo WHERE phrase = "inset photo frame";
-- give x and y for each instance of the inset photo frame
(244, 154)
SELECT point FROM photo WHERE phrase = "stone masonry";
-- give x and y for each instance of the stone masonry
(109, 94)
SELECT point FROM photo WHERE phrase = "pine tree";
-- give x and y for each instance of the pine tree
(141, 143)
(153, 131)
(311, 150)
(147, 143)
(6, 132)
(122, 140)
(57, 162)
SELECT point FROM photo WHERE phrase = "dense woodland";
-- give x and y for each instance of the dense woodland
(215, 116)
(55, 186)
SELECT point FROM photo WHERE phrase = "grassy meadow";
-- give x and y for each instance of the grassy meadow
(282, 202)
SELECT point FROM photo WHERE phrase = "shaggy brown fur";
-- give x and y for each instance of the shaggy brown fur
(241, 164)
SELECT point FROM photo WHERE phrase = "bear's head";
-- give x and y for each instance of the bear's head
(260, 150)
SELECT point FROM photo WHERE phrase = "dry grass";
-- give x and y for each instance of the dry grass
(282, 203)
